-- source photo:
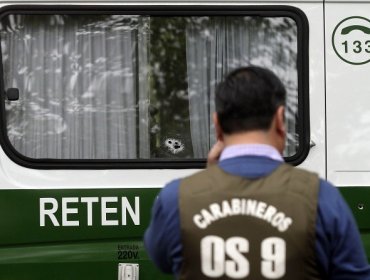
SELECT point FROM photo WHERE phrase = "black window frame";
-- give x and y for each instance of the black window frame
(303, 124)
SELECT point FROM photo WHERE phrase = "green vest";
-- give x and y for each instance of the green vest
(237, 228)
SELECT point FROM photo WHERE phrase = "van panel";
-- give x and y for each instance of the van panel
(348, 93)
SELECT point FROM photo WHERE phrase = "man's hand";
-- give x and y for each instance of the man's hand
(215, 152)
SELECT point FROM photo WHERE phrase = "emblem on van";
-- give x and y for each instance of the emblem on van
(351, 40)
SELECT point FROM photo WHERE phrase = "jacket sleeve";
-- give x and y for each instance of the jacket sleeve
(340, 251)
(162, 238)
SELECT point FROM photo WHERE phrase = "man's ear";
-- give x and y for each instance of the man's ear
(219, 132)
(280, 121)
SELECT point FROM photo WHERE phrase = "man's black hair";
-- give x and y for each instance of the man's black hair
(248, 98)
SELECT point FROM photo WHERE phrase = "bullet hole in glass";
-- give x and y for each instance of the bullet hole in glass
(174, 145)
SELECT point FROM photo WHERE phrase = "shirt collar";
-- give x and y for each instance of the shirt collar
(251, 150)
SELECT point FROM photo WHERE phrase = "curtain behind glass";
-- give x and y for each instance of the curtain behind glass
(215, 46)
(83, 85)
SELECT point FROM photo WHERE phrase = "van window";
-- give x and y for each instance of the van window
(103, 87)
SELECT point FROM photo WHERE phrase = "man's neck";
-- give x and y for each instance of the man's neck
(250, 137)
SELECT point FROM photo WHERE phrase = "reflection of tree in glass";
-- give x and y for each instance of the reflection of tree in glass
(211, 47)
(170, 107)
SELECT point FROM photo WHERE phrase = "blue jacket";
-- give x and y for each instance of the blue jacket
(339, 249)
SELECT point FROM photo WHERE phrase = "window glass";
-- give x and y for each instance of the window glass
(133, 87)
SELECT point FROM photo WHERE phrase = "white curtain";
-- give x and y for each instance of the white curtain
(216, 46)
(84, 86)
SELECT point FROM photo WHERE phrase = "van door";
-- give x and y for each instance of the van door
(347, 28)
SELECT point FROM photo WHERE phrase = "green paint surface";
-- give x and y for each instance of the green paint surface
(358, 199)
(91, 260)
(31, 252)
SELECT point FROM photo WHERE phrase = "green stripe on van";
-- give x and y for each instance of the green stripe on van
(37, 216)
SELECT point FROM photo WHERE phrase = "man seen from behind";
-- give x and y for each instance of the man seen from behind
(249, 215)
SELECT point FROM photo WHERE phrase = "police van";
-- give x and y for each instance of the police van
(105, 102)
